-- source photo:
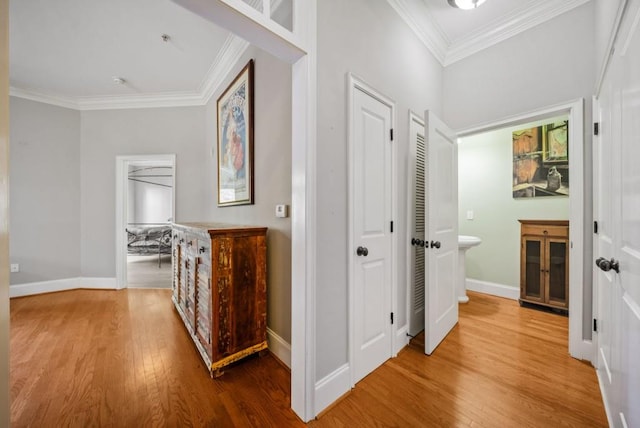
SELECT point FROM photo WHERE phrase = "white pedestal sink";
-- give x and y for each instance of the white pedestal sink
(464, 243)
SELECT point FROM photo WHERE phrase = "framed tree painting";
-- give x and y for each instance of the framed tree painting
(235, 140)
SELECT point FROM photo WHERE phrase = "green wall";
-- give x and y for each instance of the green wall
(485, 182)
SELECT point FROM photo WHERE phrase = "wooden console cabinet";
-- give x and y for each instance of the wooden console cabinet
(220, 289)
(544, 262)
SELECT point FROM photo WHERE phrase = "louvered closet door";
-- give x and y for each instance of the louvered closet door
(417, 222)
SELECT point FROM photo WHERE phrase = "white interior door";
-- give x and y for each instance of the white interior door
(416, 198)
(371, 173)
(441, 211)
(617, 269)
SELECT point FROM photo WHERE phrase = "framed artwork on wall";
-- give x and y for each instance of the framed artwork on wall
(541, 161)
(235, 140)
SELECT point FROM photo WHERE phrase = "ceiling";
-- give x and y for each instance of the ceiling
(68, 52)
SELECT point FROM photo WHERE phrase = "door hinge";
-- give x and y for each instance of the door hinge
(595, 325)
(391, 317)
(391, 226)
(596, 128)
(595, 227)
(391, 133)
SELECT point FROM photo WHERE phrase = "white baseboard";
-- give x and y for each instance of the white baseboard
(31, 288)
(331, 387)
(279, 347)
(494, 289)
(402, 339)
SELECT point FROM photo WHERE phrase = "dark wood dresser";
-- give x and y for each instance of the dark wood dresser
(220, 289)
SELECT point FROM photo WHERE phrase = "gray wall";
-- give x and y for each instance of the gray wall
(551, 63)
(272, 169)
(45, 191)
(106, 134)
(369, 39)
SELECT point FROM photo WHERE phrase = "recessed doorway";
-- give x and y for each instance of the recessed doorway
(145, 210)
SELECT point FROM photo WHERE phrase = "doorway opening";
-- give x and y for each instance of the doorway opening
(580, 310)
(145, 203)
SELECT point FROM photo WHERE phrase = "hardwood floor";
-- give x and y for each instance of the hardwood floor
(123, 359)
(501, 366)
(144, 272)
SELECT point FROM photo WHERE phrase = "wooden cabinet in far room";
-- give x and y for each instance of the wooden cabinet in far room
(219, 289)
(544, 263)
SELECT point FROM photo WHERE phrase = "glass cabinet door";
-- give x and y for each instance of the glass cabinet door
(557, 271)
(533, 268)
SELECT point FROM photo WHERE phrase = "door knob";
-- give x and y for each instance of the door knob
(362, 251)
(606, 265)
(435, 244)
(414, 241)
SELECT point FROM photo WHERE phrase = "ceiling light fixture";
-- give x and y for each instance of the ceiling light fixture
(465, 4)
(119, 80)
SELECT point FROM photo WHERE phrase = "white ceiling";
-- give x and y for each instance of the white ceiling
(67, 52)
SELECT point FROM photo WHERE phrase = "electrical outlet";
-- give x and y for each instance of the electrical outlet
(15, 267)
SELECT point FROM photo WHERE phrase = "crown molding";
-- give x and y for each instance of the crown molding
(222, 65)
(417, 16)
(508, 26)
(41, 97)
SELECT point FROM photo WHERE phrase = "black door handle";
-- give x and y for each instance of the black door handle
(435, 244)
(606, 265)
(362, 251)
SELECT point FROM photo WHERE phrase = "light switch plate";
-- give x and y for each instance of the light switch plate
(15, 267)
(470, 215)
(282, 211)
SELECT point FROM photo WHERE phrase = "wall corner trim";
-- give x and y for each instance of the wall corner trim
(33, 288)
(402, 339)
(332, 387)
(279, 347)
(493, 289)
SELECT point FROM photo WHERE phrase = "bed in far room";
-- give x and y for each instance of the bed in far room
(149, 240)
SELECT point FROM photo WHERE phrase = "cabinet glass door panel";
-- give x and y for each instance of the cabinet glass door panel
(533, 268)
(557, 271)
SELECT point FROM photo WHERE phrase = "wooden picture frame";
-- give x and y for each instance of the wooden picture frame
(555, 147)
(235, 140)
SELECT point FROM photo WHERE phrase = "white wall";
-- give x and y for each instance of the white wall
(45, 191)
(485, 170)
(549, 64)
(150, 194)
(367, 38)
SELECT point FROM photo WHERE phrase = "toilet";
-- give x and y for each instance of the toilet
(465, 242)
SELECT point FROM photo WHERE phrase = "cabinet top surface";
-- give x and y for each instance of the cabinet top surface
(212, 227)
(546, 222)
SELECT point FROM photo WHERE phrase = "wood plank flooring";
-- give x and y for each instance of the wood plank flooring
(144, 272)
(501, 366)
(123, 359)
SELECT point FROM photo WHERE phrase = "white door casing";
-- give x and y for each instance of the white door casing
(441, 212)
(371, 171)
(617, 210)
(416, 263)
